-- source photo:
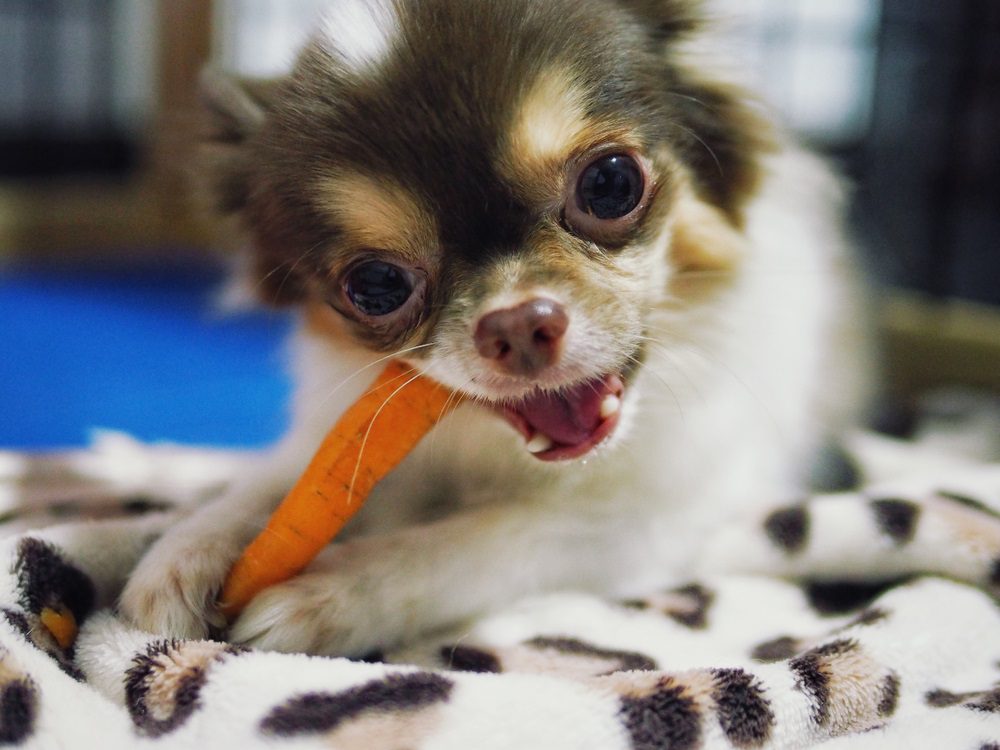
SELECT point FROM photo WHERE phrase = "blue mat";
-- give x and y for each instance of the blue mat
(139, 350)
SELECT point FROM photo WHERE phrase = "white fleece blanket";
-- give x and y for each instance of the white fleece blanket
(739, 661)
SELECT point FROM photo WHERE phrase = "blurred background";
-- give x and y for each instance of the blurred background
(107, 281)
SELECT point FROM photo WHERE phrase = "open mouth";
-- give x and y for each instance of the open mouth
(569, 423)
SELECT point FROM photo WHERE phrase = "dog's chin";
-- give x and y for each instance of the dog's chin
(569, 422)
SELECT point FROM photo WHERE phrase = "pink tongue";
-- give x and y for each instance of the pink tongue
(570, 416)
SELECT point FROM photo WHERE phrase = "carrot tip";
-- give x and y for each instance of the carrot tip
(61, 623)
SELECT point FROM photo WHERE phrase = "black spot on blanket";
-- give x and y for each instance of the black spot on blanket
(811, 679)
(687, 605)
(988, 702)
(779, 649)
(788, 528)
(163, 686)
(667, 718)
(945, 698)
(314, 713)
(984, 701)
(897, 519)
(834, 469)
(869, 616)
(866, 618)
(376, 656)
(30, 627)
(18, 711)
(140, 506)
(890, 696)
(639, 604)
(18, 621)
(628, 661)
(744, 713)
(696, 617)
(46, 580)
(812, 675)
(994, 575)
(843, 597)
(468, 659)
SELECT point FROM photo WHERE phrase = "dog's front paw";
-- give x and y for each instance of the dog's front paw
(172, 591)
(344, 606)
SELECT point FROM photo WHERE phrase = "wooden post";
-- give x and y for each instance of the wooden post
(142, 215)
(185, 29)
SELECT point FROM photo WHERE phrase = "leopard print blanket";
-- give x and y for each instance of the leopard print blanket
(747, 659)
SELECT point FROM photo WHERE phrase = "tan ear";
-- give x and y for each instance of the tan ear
(703, 237)
(667, 19)
(234, 109)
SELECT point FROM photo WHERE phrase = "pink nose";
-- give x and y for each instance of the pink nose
(525, 339)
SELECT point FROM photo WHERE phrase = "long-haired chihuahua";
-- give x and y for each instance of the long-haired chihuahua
(548, 207)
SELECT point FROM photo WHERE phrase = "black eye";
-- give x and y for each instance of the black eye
(376, 288)
(608, 196)
(611, 187)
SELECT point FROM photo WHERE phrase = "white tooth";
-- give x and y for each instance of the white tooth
(610, 406)
(539, 443)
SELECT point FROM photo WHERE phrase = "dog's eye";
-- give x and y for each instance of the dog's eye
(377, 288)
(611, 187)
(609, 194)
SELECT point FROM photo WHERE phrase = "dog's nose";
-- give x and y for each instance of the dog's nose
(525, 339)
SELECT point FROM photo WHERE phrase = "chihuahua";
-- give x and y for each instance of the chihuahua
(635, 280)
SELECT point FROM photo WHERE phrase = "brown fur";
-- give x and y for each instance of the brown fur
(538, 205)
(468, 200)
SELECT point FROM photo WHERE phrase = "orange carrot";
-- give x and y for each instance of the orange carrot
(368, 441)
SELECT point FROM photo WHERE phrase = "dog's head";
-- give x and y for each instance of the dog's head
(499, 191)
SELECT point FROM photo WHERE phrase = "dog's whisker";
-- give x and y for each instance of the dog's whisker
(675, 365)
(673, 395)
(371, 424)
(289, 266)
(370, 365)
(455, 394)
(694, 99)
(709, 149)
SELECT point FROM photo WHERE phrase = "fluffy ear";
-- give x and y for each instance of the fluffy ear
(721, 136)
(719, 133)
(667, 18)
(234, 110)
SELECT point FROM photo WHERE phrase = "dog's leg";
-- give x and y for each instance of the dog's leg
(172, 591)
(950, 529)
(375, 591)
